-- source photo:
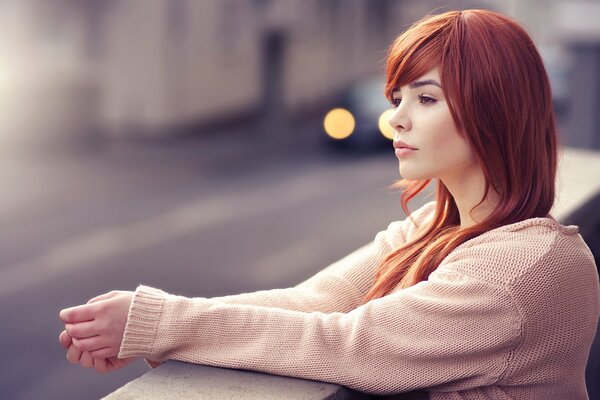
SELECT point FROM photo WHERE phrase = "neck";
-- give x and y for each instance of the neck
(467, 191)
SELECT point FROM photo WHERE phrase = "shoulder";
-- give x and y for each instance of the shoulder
(504, 255)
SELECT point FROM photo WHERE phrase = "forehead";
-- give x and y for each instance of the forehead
(432, 74)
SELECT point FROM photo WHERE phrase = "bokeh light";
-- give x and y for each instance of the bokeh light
(384, 125)
(339, 123)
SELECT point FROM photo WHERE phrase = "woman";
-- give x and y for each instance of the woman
(480, 294)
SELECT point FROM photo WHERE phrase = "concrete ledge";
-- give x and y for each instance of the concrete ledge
(577, 185)
(178, 380)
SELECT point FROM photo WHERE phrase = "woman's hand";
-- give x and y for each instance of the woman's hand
(86, 360)
(96, 329)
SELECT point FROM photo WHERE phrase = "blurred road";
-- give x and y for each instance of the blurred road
(196, 217)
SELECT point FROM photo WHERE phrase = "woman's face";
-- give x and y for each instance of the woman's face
(422, 120)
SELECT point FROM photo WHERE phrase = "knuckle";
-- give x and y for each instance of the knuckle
(73, 353)
(79, 344)
(99, 353)
(73, 331)
(84, 345)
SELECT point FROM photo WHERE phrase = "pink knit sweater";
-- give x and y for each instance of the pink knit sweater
(510, 314)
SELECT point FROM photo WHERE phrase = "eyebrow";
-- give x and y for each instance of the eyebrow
(416, 84)
(426, 82)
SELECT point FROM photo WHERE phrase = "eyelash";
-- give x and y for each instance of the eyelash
(422, 99)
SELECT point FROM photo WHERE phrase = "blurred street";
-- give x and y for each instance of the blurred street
(182, 145)
(191, 217)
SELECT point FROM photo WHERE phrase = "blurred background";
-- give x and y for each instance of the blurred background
(208, 147)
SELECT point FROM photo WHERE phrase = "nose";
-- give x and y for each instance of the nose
(399, 120)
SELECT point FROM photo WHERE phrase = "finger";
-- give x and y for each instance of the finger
(105, 352)
(90, 344)
(100, 364)
(82, 330)
(82, 313)
(73, 354)
(64, 339)
(86, 360)
(103, 297)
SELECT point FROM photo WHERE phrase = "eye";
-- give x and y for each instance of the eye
(426, 99)
(396, 101)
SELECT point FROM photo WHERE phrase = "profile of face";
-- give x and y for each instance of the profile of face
(421, 119)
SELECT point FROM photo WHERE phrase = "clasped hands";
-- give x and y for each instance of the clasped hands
(94, 331)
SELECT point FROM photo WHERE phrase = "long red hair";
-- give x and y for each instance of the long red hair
(499, 97)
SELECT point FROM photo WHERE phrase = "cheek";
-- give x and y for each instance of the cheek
(446, 145)
(456, 152)
(442, 135)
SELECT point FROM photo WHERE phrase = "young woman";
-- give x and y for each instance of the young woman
(480, 294)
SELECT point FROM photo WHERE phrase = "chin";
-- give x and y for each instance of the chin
(413, 175)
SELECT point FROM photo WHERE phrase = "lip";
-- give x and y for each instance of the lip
(398, 145)
(402, 149)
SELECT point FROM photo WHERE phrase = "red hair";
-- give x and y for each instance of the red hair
(499, 97)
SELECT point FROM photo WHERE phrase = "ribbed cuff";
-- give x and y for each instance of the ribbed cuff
(143, 319)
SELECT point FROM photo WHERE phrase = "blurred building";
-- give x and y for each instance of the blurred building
(568, 36)
(129, 67)
(145, 68)
(168, 62)
(580, 36)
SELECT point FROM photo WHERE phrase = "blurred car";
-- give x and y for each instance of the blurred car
(359, 119)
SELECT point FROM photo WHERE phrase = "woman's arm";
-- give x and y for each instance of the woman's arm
(451, 328)
(340, 287)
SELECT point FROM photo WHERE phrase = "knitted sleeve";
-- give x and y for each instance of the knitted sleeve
(451, 329)
(343, 285)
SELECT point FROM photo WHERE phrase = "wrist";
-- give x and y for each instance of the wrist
(143, 318)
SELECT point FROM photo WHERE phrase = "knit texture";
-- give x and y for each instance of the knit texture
(510, 314)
